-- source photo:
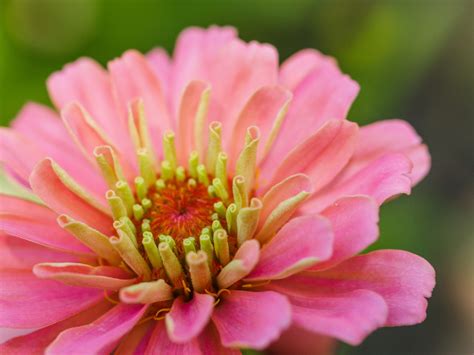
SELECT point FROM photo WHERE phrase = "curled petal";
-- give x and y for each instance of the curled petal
(147, 292)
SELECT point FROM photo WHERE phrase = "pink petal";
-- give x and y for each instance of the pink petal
(29, 302)
(37, 224)
(160, 344)
(210, 342)
(46, 184)
(132, 78)
(390, 136)
(321, 156)
(382, 179)
(298, 245)
(251, 319)
(16, 253)
(100, 336)
(299, 65)
(83, 275)
(288, 188)
(324, 94)
(45, 130)
(35, 343)
(297, 340)
(188, 109)
(187, 319)
(346, 316)
(405, 281)
(87, 83)
(354, 221)
(261, 110)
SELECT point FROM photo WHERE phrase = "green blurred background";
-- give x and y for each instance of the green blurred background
(413, 59)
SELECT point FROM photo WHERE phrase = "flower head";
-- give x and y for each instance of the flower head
(201, 204)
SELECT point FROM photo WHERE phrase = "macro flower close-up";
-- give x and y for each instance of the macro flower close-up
(203, 202)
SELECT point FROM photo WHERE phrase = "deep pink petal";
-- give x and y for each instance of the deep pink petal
(43, 128)
(390, 136)
(251, 319)
(297, 340)
(299, 65)
(322, 95)
(29, 302)
(132, 78)
(262, 110)
(16, 253)
(210, 342)
(382, 179)
(86, 82)
(36, 223)
(46, 184)
(161, 344)
(83, 275)
(187, 319)
(135, 341)
(354, 221)
(347, 316)
(298, 245)
(100, 336)
(321, 156)
(35, 343)
(405, 281)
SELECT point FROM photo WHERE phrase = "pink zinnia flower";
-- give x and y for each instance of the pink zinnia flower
(240, 228)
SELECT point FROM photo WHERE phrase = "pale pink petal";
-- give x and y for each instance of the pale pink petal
(160, 63)
(47, 185)
(243, 263)
(403, 279)
(187, 319)
(29, 302)
(16, 253)
(135, 341)
(382, 179)
(210, 342)
(284, 190)
(251, 319)
(132, 78)
(301, 243)
(295, 69)
(347, 316)
(18, 154)
(390, 136)
(264, 109)
(297, 340)
(233, 68)
(321, 156)
(196, 50)
(188, 109)
(86, 82)
(322, 95)
(160, 344)
(100, 336)
(36, 223)
(35, 343)
(354, 221)
(83, 275)
(41, 125)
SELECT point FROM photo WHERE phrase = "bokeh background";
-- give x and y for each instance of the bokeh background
(413, 59)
